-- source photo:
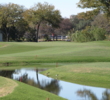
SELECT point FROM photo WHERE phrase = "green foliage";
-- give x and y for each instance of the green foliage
(96, 5)
(101, 21)
(79, 23)
(88, 14)
(42, 13)
(10, 17)
(89, 34)
(98, 33)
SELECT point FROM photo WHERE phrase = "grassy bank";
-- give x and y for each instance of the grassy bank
(93, 74)
(52, 52)
(6, 86)
(27, 92)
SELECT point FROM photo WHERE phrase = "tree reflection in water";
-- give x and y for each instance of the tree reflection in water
(106, 95)
(51, 86)
(91, 96)
(7, 73)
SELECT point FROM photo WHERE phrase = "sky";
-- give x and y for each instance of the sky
(66, 7)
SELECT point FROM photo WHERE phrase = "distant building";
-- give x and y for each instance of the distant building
(1, 36)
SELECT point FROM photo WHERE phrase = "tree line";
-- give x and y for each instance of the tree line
(18, 23)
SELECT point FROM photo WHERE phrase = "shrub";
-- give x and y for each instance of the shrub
(89, 34)
(98, 33)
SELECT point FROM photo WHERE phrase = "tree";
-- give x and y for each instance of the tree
(97, 5)
(9, 15)
(65, 26)
(40, 13)
(98, 33)
(79, 22)
(101, 22)
(21, 28)
(45, 29)
(88, 15)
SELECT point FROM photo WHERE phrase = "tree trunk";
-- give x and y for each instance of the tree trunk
(37, 32)
(7, 34)
(7, 37)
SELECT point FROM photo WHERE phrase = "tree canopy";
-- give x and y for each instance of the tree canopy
(97, 5)
(40, 13)
(10, 15)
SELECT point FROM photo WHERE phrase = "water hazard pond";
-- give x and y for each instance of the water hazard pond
(64, 89)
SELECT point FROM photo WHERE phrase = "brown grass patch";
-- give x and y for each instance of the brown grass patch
(8, 87)
(3, 46)
(82, 70)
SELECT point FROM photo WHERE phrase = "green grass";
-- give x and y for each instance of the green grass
(83, 63)
(27, 92)
(28, 65)
(2, 81)
(92, 74)
(52, 52)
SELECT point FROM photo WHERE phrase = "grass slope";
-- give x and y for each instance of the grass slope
(51, 52)
(26, 92)
(6, 86)
(92, 74)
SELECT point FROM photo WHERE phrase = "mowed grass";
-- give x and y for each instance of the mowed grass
(92, 74)
(82, 63)
(52, 52)
(6, 86)
(27, 92)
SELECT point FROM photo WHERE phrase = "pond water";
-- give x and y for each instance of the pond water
(64, 89)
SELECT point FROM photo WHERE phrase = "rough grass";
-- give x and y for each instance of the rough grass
(52, 52)
(92, 74)
(26, 92)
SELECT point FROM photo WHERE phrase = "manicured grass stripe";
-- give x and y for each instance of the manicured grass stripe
(48, 52)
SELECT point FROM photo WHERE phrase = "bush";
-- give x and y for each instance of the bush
(89, 34)
(98, 33)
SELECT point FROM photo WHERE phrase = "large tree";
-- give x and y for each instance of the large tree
(40, 13)
(10, 14)
(97, 6)
(101, 22)
(79, 22)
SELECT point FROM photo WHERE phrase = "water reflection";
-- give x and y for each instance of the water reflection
(7, 73)
(67, 90)
(89, 95)
(106, 95)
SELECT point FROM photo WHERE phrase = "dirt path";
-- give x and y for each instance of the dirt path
(8, 87)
